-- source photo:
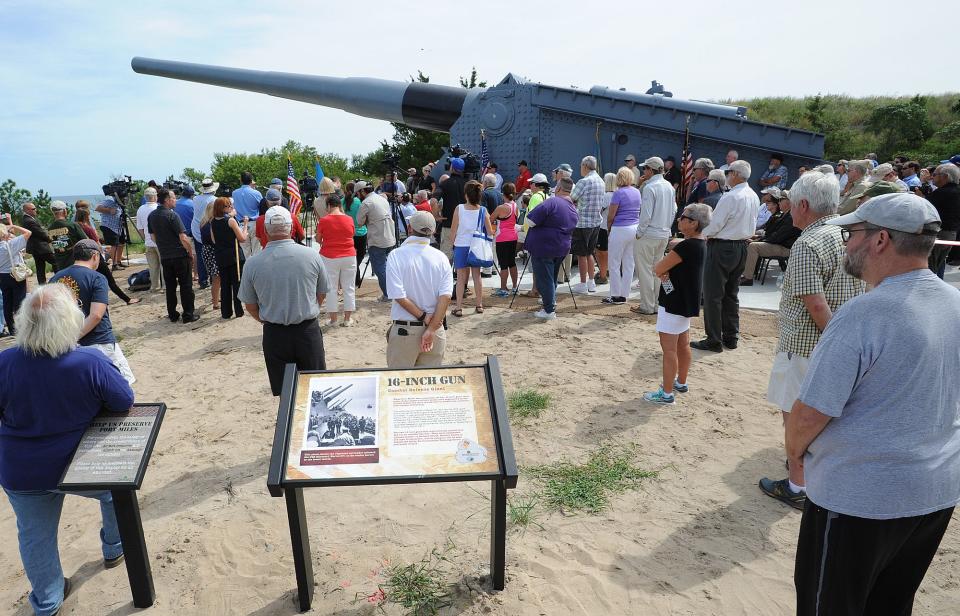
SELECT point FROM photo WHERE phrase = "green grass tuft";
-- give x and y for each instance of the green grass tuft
(587, 487)
(522, 513)
(421, 587)
(527, 404)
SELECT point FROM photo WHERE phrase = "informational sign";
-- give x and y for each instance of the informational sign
(114, 450)
(392, 423)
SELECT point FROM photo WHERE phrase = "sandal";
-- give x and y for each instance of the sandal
(478, 309)
(457, 312)
(134, 300)
(637, 310)
(530, 294)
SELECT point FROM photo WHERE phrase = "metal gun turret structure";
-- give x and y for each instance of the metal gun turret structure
(329, 400)
(542, 124)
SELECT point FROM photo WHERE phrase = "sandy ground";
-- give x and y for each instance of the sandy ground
(700, 539)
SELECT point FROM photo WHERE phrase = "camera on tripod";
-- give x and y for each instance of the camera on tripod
(471, 162)
(175, 185)
(120, 188)
(390, 160)
(308, 191)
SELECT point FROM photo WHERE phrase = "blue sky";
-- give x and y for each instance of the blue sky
(72, 112)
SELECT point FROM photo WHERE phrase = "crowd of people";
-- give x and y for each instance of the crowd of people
(877, 484)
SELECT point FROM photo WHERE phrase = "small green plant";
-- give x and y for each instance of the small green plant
(522, 513)
(421, 587)
(527, 404)
(588, 487)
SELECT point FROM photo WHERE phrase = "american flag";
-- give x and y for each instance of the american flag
(484, 154)
(293, 190)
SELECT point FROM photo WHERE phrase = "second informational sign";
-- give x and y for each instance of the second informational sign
(114, 450)
(398, 423)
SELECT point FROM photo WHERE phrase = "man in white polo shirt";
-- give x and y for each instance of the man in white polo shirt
(420, 283)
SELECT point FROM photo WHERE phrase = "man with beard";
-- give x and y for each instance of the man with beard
(814, 287)
(876, 424)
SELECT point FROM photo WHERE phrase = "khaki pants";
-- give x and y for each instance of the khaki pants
(153, 264)
(404, 351)
(446, 244)
(252, 245)
(646, 252)
(756, 250)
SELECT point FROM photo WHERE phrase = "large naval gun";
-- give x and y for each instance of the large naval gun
(545, 125)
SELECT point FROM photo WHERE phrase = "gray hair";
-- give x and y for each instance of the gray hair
(951, 171)
(862, 167)
(735, 154)
(915, 244)
(423, 195)
(741, 168)
(700, 212)
(49, 321)
(489, 180)
(820, 190)
(565, 183)
(590, 162)
(824, 168)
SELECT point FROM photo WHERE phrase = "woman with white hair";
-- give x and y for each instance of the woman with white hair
(52, 389)
(11, 255)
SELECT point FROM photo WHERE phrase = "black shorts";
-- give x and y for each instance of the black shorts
(584, 241)
(507, 254)
(603, 242)
(110, 238)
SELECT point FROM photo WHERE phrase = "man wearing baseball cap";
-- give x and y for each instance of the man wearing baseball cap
(420, 283)
(283, 287)
(876, 426)
(90, 289)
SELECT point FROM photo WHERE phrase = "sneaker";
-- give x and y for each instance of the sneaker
(616, 301)
(680, 388)
(658, 397)
(591, 286)
(501, 293)
(110, 563)
(330, 323)
(781, 491)
(548, 316)
(347, 322)
(581, 288)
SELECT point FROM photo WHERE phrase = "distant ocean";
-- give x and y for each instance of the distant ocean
(72, 199)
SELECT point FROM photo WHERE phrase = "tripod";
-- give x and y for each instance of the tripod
(309, 218)
(516, 289)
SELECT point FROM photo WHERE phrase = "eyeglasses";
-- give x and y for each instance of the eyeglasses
(845, 232)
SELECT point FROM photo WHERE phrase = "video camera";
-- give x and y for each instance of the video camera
(175, 185)
(390, 160)
(471, 162)
(308, 190)
(120, 188)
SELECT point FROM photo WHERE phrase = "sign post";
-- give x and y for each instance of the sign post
(376, 427)
(113, 455)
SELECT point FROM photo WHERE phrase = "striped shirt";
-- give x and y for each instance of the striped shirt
(815, 266)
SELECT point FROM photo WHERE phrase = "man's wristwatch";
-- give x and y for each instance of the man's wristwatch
(422, 316)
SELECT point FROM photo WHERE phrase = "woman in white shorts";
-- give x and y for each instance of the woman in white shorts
(681, 273)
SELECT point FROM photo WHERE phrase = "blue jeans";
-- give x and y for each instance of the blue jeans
(201, 266)
(545, 271)
(378, 261)
(38, 519)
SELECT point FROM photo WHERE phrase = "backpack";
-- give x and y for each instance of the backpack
(139, 281)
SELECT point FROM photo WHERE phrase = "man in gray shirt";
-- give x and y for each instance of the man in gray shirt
(876, 426)
(375, 213)
(283, 287)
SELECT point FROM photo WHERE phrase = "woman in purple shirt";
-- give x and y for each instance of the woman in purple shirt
(52, 389)
(623, 215)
